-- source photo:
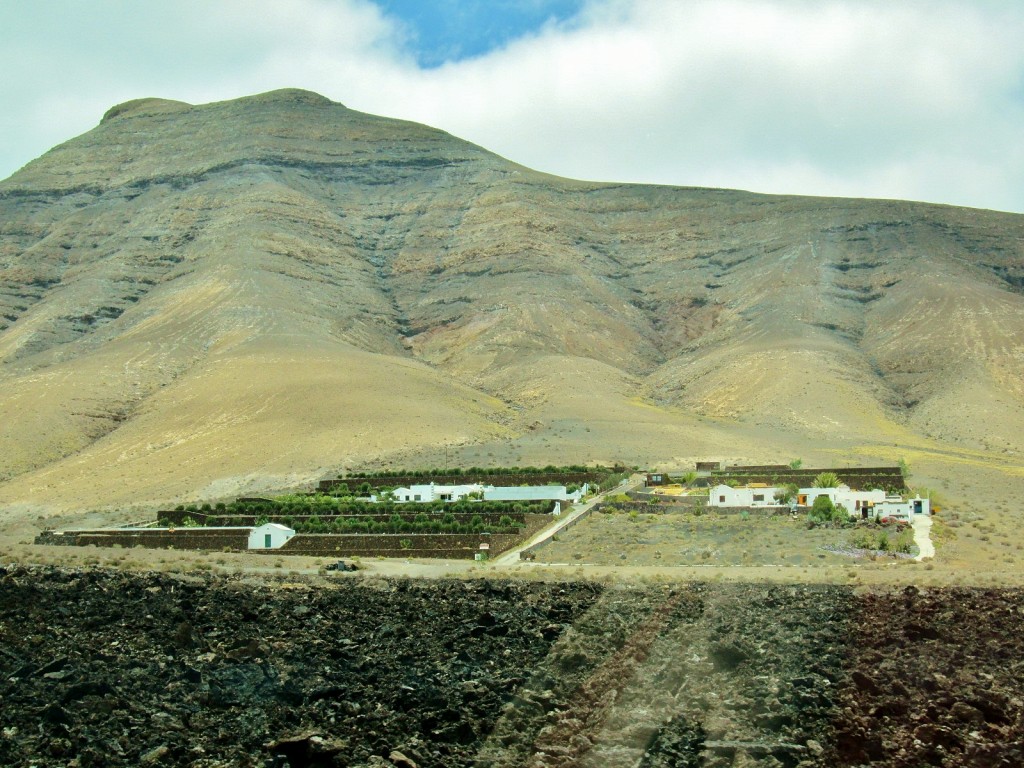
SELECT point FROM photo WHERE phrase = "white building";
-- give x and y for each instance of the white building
(532, 493)
(269, 536)
(432, 492)
(744, 496)
(867, 504)
(857, 503)
(896, 507)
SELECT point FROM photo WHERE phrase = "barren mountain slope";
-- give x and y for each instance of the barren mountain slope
(197, 300)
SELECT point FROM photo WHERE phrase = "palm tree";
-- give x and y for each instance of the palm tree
(826, 480)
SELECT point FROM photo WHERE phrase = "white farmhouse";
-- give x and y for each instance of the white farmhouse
(857, 503)
(744, 496)
(269, 536)
(432, 492)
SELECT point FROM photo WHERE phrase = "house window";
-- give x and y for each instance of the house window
(417, 498)
(721, 499)
(758, 497)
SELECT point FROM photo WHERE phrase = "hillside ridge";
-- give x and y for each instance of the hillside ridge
(223, 297)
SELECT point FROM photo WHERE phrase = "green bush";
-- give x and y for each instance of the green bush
(824, 512)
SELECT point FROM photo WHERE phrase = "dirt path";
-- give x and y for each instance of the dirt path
(512, 556)
(922, 536)
(684, 676)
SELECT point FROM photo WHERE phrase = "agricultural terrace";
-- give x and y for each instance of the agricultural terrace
(329, 514)
(572, 476)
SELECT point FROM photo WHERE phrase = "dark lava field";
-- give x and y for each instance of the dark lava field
(104, 668)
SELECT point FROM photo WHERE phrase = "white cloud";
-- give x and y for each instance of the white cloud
(921, 100)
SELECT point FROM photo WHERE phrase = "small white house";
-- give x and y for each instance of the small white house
(432, 492)
(744, 496)
(269, 536)
(896, 507)
(532, 493)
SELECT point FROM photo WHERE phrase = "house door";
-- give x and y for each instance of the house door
(266, 541)
(917, 506)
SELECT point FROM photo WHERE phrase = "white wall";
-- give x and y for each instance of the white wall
(530, 493)
(724, 496)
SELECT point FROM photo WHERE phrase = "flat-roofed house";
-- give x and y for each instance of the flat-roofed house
(753, 495)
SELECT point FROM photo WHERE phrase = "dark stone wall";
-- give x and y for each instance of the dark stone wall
(562, 478)
(177, 517)
(456, 546)
(185, 538)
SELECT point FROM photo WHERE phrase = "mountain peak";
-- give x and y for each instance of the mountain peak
(152, 106)
(290, 96)
(149, 106)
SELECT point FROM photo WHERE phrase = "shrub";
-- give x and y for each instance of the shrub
(863, 538)
(823, 511)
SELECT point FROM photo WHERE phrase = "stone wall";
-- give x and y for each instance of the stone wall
(183, 538)
(456, 546)
(177, 516)
(541, 478)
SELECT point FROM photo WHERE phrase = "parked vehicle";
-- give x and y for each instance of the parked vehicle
(341, 565)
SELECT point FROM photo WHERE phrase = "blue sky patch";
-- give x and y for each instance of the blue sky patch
(450, 30)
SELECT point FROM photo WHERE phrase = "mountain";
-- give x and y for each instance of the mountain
(197, 301)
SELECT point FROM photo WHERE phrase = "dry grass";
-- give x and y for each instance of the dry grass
(687, 540)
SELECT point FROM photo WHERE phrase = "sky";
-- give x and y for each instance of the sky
(915, 99)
